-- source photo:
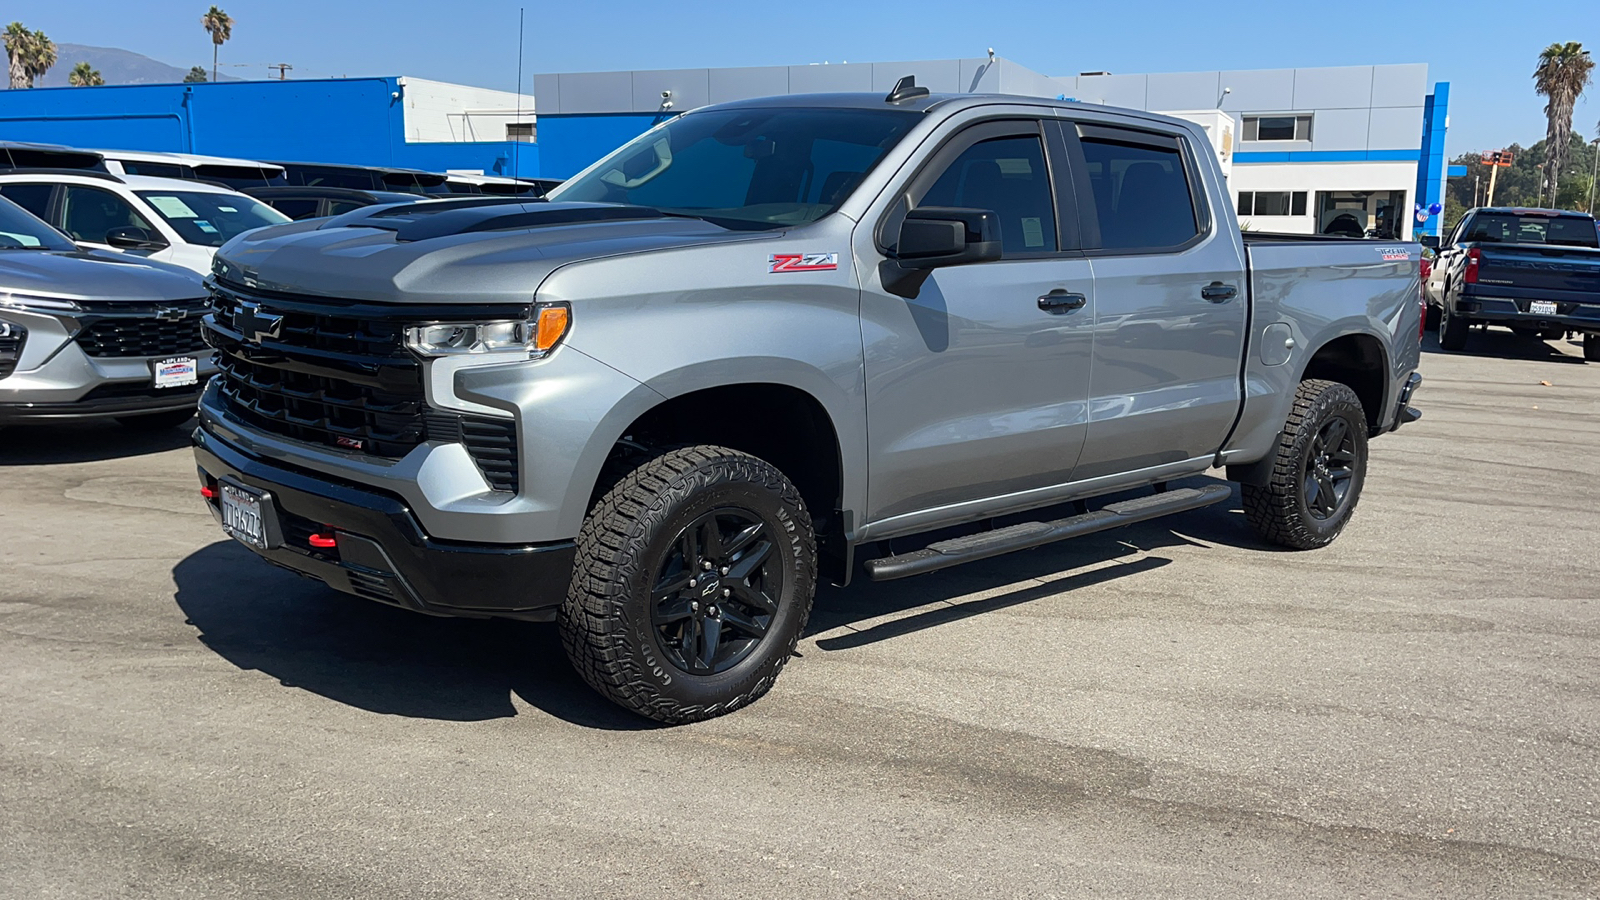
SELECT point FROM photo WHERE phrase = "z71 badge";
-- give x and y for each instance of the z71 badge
(803, 262)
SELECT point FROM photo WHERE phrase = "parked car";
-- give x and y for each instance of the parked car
(316, 202)
(23, 155)
(234, 173)
(767, 336)
(1535, 271)
(459, 183)
(165, 219)
(90, 334)
(364, 178)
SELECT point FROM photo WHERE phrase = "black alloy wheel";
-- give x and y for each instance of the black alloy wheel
(1329, 469)
(715, 594)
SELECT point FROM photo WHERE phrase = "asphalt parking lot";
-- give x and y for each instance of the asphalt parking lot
(1170, 710)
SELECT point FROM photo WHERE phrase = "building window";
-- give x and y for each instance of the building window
(521, 131)
(1277, 128)
(1272, 203)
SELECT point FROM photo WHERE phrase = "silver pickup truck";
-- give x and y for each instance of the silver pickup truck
(749, 347)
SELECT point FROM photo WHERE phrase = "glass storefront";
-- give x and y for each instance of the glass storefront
(1379, 214)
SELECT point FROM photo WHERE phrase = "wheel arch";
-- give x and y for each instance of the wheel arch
(1360, 361)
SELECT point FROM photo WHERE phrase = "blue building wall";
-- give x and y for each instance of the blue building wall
(570, 143)
(1431, 166)
(346, 120)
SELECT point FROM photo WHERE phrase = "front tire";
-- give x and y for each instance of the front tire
(1452, 329)
(1319, 468)
(694, 578)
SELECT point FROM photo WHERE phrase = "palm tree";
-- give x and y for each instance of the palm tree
(41, 56)
(85, 75)
(219, 25)
(19, 42)
(1564, 71)
(197, 75)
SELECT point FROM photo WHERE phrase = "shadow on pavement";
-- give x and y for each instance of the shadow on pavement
(379, 658)
(397, 662)
(1499, 343)
(43, 445)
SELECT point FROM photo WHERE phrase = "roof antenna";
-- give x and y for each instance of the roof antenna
(905, 89)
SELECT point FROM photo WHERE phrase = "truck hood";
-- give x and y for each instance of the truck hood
(449, 253)
(95, 275)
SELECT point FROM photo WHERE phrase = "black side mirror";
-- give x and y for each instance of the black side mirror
(132, 237)
(934, 237)
(1431, 241)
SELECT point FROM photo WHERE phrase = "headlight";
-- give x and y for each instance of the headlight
(40, 304)
(535, 336)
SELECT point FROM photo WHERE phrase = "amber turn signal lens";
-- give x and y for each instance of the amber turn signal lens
(553, 322)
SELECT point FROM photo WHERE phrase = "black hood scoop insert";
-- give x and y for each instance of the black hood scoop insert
(415, 222)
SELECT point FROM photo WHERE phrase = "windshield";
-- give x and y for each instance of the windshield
(746, 168)
(211, 219)
(20, 230)
(1509, 228)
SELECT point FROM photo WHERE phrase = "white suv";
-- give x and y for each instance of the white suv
(164, 219)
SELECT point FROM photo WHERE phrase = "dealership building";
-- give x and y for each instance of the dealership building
(1344, 150)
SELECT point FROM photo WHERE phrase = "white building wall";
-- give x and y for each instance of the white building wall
(439, 111)
(1314, 177)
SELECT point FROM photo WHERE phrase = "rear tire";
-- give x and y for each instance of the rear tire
(1591, 347)
(655, 630)
(1452, 329)
(1318, 470)
(172, 418)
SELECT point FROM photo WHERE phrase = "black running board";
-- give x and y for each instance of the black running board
(1027, 535)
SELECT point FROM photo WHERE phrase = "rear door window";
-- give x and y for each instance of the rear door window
(296, 207)
(1007, 175)
(34, 198)
(1141, 190)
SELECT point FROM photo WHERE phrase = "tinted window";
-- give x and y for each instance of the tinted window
(34, 198)
(238, 176)
(1247, 204)
(1007, 175)
(210, 219)
(1272, 203)
(296, 208)
(20, 229)
(746, 168)
(1141, 194)
(1298, 207)
(87, 213)
(158, 170)
(313, 176)
(1508, 228)
(340, 207)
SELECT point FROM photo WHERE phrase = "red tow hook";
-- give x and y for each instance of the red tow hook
(208, 492)
(324, 541)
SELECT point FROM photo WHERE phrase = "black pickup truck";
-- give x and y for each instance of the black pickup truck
(1536, 271)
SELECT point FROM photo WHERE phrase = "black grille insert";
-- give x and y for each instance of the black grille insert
(142, 337)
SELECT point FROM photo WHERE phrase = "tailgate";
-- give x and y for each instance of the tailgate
(1531, 271)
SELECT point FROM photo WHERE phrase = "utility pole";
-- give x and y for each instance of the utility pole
(1539, 201)
(1594, 170)
(283, 70)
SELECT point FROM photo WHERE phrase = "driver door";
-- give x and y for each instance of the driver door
(978, 386)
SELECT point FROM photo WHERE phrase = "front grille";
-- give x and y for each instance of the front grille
(11, 339)
(338, 374)
(142, 337)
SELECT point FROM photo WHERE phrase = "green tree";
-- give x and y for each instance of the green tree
(219, 25)
(85, 75)
(41, 56)
(1564, 71)
(197, 75)
(19, 43)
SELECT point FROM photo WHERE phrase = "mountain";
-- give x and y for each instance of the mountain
(118, 66)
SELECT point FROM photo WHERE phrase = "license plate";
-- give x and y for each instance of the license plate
(179, 371)
(1542, 307)
(244, 515)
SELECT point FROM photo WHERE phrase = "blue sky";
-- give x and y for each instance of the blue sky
(1492, 99)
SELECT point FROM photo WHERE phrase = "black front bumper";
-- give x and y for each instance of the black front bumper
(107, 401)
(382, 553)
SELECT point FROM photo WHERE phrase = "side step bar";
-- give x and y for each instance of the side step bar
(1027, 535)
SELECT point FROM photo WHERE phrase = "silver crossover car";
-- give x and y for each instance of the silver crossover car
(90, 334)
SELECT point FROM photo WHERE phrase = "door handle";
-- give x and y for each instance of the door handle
(1217, 292)
(1060, 301)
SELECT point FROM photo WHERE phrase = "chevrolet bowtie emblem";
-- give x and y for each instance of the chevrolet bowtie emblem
(255, 325)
